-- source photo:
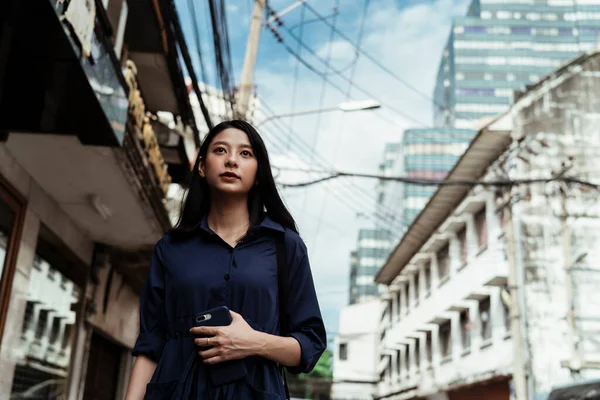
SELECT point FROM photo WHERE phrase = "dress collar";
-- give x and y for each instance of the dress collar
(266, 223)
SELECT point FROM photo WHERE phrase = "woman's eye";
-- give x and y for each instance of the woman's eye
(246, 153)
(219, 150)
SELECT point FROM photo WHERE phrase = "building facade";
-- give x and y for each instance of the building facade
(429, 153)
(85, 171)
(356, 352)
(373, 245)
(491, 288)
(372, 250)
(501, 46)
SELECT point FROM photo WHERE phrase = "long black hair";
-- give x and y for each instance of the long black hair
(263, 196)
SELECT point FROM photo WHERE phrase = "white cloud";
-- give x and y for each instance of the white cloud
(409, 41)
(338, 50)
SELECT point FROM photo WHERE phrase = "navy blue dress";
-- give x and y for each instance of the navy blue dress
(188, 276)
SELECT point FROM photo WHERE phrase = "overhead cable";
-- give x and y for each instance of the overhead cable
(444, 182)
(373, 59)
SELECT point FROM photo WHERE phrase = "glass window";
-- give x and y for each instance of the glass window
(427, 274)
(343, 351)
(407, 360)
(481, 228)
(417, 286)
(465, 329)
(445, 340)
(48, 327)
(428, 347)
(417, 354)
(462, 243)
(485, 319)
(443, 257)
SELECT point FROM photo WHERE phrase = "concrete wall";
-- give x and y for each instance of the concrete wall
(467, 282)
(41, 208)
(120, 322)
(359, 330)
(121, 319)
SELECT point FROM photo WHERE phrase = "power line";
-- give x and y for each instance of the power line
(341, 127)
(326, 77)
(222, 50)
(297, 66)
(447, 182)
(354, 189)
(373, 59)
(321, 103)
(356, 204)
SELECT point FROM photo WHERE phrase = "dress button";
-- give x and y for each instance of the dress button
(226, 277)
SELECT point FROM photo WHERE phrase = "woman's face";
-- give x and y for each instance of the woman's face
(230, 164)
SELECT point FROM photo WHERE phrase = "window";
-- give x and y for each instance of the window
(29, 308)
(417, 354)
(42, 324)
(446, 340)
(465, 329)
(51, 312)
(406, 299)
(485, 319)
(417, 284)
(407, 360)
(427, 275)
(399, 304)
(443, 257)
(428, 347)
(462, 243)
(55, 330)
(481, 228)
(343, 350)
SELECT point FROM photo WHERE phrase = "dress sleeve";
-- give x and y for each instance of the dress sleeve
(153, 320)
(304, 315)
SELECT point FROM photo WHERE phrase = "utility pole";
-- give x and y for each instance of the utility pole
(246, 83)
(519, 370)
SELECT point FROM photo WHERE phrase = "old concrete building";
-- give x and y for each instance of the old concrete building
(492, 287)
(85, 172)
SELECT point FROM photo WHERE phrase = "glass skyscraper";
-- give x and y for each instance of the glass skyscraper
(374, 244)
(502, 45)
(429, 153)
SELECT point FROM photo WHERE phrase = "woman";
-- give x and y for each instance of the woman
(223, 252)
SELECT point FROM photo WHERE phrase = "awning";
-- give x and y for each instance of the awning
(486, 147)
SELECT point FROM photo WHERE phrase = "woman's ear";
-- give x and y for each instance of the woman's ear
(201, 166)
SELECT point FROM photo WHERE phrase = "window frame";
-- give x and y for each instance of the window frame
(343, 351)
(486, 326)
(17, 204)
(445, 250)
(481, 227)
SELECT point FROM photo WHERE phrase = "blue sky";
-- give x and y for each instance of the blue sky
(405, 36)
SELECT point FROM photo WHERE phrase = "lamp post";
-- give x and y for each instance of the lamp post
(349, 106)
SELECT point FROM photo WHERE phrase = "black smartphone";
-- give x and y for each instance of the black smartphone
(218, 316)
(227, 371)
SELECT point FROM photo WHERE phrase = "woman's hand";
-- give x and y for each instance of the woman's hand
(233, 342)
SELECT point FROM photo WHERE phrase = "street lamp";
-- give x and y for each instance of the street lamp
(348, 106)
